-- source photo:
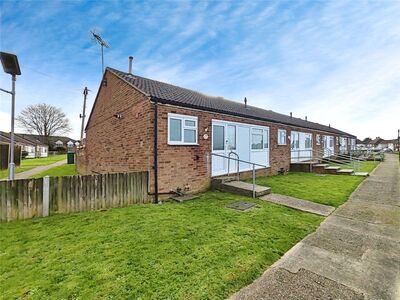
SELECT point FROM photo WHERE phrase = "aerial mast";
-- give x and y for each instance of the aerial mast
(103, 44)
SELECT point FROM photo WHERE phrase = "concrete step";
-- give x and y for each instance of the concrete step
(244, 188)
(331, 170)
(320, 165)
(319, 168)
(218, 181)
(345, 172)
(362, 174)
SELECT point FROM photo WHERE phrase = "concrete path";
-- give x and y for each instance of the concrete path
(38, 170)
(354, 254)
(300, 204)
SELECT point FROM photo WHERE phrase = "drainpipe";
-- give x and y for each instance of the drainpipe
(156, 151)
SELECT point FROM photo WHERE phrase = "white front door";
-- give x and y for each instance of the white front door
(244, 149)
(328, 145)
(219, 164)
(233, 137)
(295, 145)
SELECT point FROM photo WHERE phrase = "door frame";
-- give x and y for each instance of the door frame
(226, 152)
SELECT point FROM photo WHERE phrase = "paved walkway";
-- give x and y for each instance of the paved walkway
(354, 254)
(38, 170)
(300, 204)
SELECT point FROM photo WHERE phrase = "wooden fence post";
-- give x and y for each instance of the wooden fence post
(46, 192)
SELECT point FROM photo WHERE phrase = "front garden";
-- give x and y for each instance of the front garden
(196, 250)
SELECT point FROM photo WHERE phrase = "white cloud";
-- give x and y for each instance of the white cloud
(336, 62)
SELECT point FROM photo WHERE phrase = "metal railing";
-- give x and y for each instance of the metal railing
(243, 161)
(329, 156)
(229, 165)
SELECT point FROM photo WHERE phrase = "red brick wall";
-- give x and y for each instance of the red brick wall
(119, 145)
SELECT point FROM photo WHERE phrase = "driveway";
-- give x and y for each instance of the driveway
(354, 254)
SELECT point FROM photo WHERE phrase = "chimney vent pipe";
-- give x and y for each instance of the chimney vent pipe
(130, 65)
(291, 114)
(245, 102)
(306, 118)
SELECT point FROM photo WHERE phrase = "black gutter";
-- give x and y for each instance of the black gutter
(156, 151)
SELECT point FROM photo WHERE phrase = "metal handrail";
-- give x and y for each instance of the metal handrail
(229, 160)
(247, 162)
(240, 160)
(327, 154)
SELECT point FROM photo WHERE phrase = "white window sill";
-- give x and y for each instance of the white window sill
(182, 144)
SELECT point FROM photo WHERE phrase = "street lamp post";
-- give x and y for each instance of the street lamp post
(11, 66)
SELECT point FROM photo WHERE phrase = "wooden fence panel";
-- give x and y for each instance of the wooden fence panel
(23, 199)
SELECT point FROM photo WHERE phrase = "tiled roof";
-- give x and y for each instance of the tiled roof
(42, 139)
(6, 138)
(170, 94)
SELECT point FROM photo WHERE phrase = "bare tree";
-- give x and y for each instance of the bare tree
(44, 119)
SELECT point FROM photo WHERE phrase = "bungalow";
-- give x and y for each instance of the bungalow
(31, 148)
(184, 138)
(54, 142)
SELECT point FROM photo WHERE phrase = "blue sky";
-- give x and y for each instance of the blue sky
(336, 62)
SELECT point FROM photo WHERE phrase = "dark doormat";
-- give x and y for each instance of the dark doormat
(241, 206)
(184, 198)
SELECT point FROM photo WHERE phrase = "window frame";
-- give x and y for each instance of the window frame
(285, 138)
(308, 136)
(183, 118)
(226, 137)
(264, 139)
(223, 138)
(318, 139)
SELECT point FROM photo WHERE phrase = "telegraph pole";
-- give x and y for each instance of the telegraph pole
(83, 115)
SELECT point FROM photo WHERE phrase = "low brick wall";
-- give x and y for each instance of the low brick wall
(300, 167)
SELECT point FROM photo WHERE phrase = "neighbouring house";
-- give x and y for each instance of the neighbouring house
(183, 137)
(31, 147)
(387, 144)
(55, 143)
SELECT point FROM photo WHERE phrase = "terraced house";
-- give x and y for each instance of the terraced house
(184, 138)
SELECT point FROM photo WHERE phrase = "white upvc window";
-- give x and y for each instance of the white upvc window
(318, 139)
(259, 139)
(182, 130)
(281, 136)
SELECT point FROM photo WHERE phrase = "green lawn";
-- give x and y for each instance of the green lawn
(30, 163)
(365, 166)
(331, 190)
(195, 250)
(64, 170)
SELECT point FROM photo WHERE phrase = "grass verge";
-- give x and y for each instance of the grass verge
(195, 250)
(365, 166)
(331, 190)
(30, 163)
(64, 170)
